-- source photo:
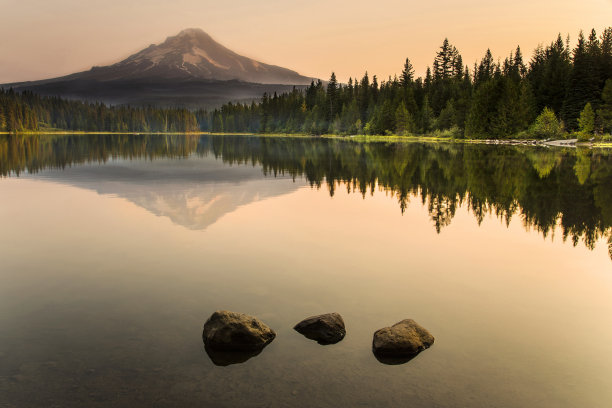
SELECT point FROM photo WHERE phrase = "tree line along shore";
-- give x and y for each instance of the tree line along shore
(562, 92)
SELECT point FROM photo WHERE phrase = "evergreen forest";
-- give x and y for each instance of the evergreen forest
(26, 111)
(559, 90)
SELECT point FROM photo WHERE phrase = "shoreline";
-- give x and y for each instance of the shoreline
(572, 143)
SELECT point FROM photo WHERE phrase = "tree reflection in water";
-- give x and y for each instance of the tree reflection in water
(547, 188)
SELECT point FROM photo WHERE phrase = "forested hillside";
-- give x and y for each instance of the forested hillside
(28, 111)
(490, 100)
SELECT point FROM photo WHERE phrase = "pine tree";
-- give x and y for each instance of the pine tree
(586, 122)
(404, 123)
(349, 118)
(374, 92)
(526, 105)
(583, 86)
(409, 101)
(428, 80)
(463, 99)
(363, 98)
(407, 74)
(387, 118)
(447, 117)
(332, 97)
(458, 67)
(549, 72)
(518, 62)
(446, 61)
(485, 70)
(604, 113)
(507, 119)
(605, 62)
(2, 119)
(482, 111)
(427, 116)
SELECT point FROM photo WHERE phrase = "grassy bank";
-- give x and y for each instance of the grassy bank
(433, 138)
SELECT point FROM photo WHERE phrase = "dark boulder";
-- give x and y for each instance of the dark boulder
(230, 331)
(325, 328)
(401, 342)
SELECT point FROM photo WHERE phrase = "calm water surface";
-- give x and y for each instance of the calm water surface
(115, 250)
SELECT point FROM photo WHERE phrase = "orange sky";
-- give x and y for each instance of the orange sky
(47, 38)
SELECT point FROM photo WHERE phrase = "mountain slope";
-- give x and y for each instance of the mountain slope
(193, 54)
(189, 69)
(190, 94)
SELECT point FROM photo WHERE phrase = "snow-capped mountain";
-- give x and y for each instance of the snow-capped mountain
(193, 54)
(188, 69)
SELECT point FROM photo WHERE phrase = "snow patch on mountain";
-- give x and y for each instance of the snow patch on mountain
(197, 55)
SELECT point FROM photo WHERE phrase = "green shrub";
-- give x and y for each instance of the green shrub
(547, 126)
(582, 136)
(454, 133)
(524, 134)
(586, 121)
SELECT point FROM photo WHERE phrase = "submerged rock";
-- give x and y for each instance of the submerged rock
(401, 342)
(230, 331)
(325, 328)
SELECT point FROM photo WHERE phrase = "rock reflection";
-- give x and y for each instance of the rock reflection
(225, 358)
(388, 360)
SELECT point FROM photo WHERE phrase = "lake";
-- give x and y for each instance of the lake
(115, 249)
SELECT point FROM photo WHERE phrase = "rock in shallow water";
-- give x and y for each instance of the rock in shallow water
(400, 342)
(325, 328)
(230, 331)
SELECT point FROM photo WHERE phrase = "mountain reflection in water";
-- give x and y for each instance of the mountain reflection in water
(193, 193)
(547, 187)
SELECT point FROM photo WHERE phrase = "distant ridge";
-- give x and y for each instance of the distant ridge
(188, 69)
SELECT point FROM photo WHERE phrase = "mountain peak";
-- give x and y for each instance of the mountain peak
(190, 55)
(193, 54)
(188, 39)
(191, 32)
(187, 69)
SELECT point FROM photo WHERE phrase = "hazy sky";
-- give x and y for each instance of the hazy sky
(47, 38)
